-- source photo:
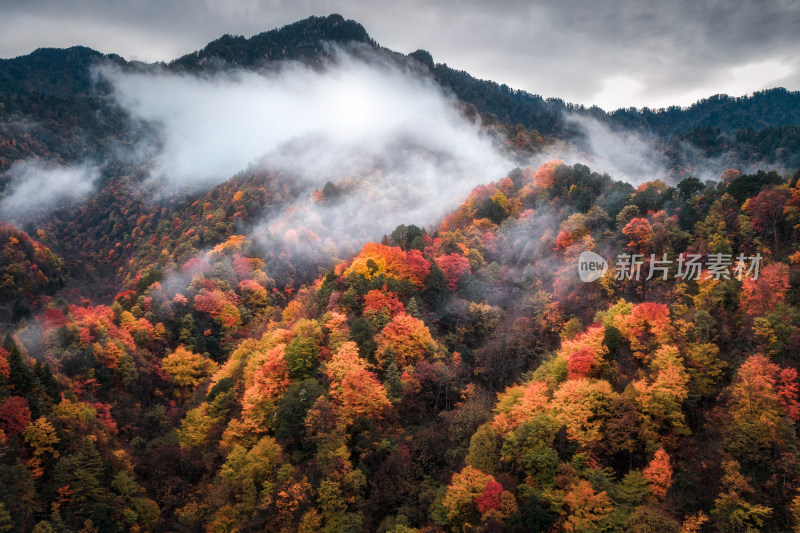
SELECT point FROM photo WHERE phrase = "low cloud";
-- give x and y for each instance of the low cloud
(395, 143)
(37, 187)
(625, 155)
(352, 108)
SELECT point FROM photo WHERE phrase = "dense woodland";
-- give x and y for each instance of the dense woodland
(161, 371)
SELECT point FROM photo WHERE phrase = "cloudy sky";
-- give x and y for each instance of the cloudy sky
(613, 54)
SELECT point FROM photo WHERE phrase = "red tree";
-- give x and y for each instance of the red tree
(659, 473)
(15, 415)
(581, 362)
(376, 301)
(762, 295)
(454, 266)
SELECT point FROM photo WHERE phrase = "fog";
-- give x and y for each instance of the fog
(213, 126)
(397, 146)
(625, 155)
(37, 187)
(401, 147)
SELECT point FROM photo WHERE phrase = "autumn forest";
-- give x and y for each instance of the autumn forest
(401, 344)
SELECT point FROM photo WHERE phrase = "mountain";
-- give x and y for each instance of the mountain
(50, 71)
(67, 73)
(301, 41)
(166, 365)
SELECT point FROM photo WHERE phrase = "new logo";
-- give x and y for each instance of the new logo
(591, 266)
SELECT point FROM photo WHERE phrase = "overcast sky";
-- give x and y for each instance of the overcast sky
(614, 54)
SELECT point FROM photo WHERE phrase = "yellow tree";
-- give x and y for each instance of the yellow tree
(459, 499)
(582, 405)
(518, 404)
(187, 368)
(585, 507)
(41, 436)
(353, 387)
(663, 397)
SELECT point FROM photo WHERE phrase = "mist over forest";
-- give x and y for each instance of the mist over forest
(303, 282)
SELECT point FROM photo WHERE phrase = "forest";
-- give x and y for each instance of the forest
(162, 369)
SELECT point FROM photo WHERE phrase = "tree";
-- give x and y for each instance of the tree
(766, 208)
(6, 524)
(18, 490)
(405, 340)
(196, 427)
(333, 506)
(454, 266)
(581, 363)
(484, 450)
(337, 329)
(137, 511)
(639, 234)
(689, 187)
(586, 508)
(218, 305)
(293, 407)
(301, 357)
(459, 499)
(363, 333)
(356, 389)
(14, 415)
(376, 301)
(632, 490)
(376, 259)
(789, 393)
(41, 436)
(345, 361)
(82, 474)
(732, 511)
(21, 377)
(583, 406)
(694, 523)
(436, 289)
(662, 399)
(545, 175)
(651, 518)
(361, 394)
(413, 308)
(268, 382)
(646, 327)
(762, 295)
(186, 368)
(519, 404)
(704, 367)
(5, 368)
(626, 215)
(659, 473)
(756, 408)
(530, 448)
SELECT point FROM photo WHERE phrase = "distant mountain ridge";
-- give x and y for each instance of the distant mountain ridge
(301, 41)
(66, 72)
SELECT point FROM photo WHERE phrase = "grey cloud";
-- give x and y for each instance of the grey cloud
(38, 187)
(379, 128)
(676, 50)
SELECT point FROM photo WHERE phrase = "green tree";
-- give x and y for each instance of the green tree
(484, 450)
(436, 291)
(82, 472)
(301, 357)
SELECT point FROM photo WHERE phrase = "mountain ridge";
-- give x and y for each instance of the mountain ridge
(66, 72)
